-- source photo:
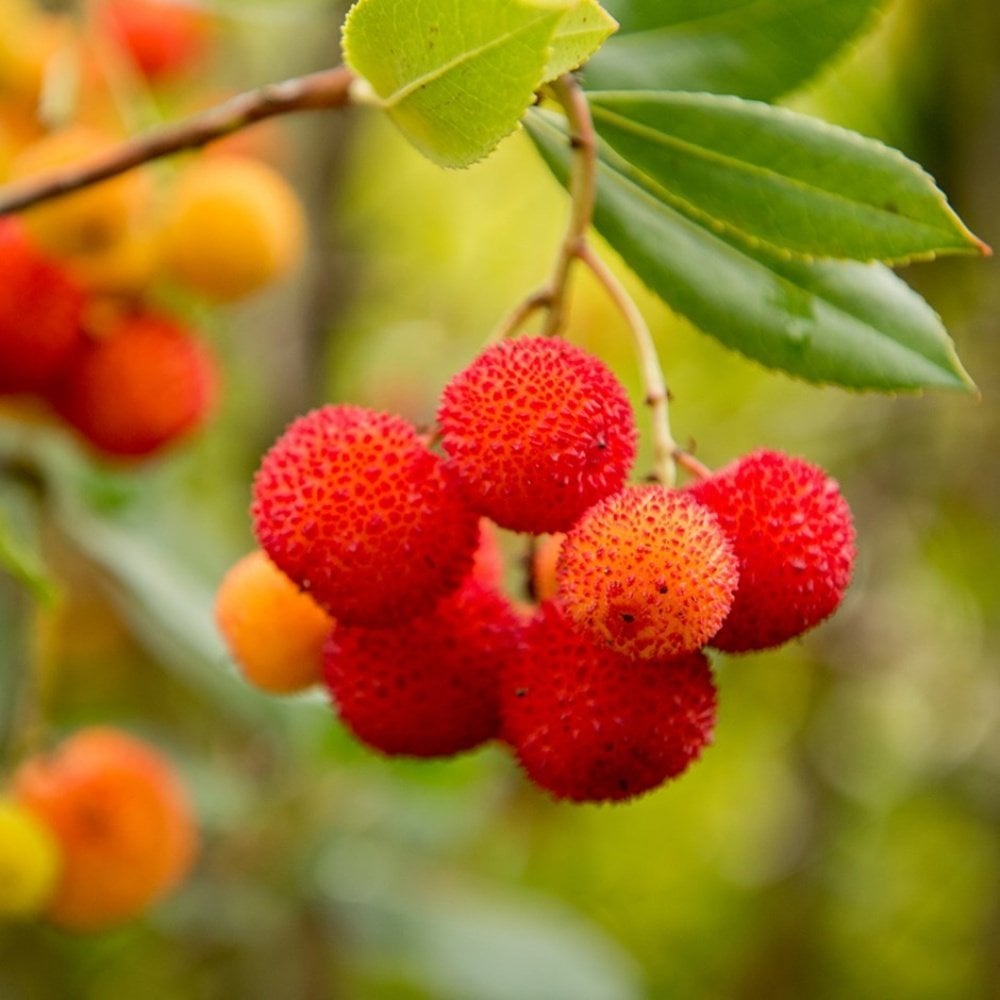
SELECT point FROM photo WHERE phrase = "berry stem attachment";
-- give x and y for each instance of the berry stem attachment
(327, 89)
(665, 449)
(583, 192)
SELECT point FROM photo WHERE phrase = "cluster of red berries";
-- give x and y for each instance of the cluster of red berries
(129, 382)
(602, 691)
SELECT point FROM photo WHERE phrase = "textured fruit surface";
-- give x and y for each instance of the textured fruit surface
(144, 385)
(122, 820)
(590, 725)
(235, 225)
(647, 571)
(162, 38)
(88, 221)
(537, 431)
(429, 687)
(29, 862)
(793, 534)
(274, 631)
(351, 504)
(40, 311)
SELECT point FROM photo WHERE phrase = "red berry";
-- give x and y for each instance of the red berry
(793, 534)
(143, 385)
(429, 687)
(163, 38)
(590, 725)
(352, 505)
(40, 311)
(537, 431)
(647, 571)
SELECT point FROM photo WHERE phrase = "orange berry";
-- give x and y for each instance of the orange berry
(90, 220)
(122, 819)
(234, 226)
(274, 631)
(649, 572)
(545, 559)
(145, 384)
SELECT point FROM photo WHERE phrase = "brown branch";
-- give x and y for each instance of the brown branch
(330, 88)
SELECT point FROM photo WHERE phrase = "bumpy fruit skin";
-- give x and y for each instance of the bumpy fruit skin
(234, 226)
(589, 725)
(163, 39)
(647, 571)
(429, 687)
(537, 430)
(122, 820)
(793, 534)
(274, 631)
(90, 220)
(29, 862)
(146, 384)
(354, 507)
(40, 312)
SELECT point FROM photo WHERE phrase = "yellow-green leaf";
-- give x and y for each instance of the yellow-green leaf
(454, 78)
(580, 34)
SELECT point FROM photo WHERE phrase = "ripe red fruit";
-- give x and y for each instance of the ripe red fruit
(163, 38)
(145, 384)
(647, 571)
(431, 686)
(590, 725)
(354, 507)
(537, 431)
(793, 534)
(40, 312)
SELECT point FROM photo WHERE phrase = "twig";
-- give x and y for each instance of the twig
(583, 190)
(330, 88)
(665, 449)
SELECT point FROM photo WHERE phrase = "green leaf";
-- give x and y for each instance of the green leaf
(774, 177)
(20, 538)
(579, 35)
(837, 322)
(454, 79)
(754, 48)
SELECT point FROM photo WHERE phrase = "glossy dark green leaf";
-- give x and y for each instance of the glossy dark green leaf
(838, 322)
(774, 177)
(753, 48)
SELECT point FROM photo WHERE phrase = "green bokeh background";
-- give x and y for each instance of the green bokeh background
(842, 836)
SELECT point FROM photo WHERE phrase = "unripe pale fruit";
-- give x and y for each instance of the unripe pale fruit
(40, 312)
(144, 385)
(793, 534)
(274, 631)
(590, 725)
(123, 822)
(29, 862)
(234, 226)
(647, 571)
(544, 560)
(537, 431)
(90, 220)
(354, 507)
(431, 686)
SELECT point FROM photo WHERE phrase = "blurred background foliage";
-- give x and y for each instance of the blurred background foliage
(840, 839)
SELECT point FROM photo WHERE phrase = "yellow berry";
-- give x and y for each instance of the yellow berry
(29, 862)
(234, 226)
